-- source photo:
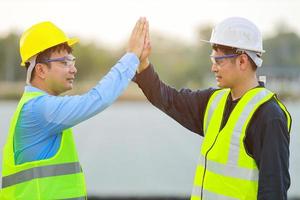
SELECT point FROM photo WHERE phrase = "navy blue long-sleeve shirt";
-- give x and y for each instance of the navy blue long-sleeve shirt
(266, 140)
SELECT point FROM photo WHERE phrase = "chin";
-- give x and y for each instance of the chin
(69, 87)
(220, 85)
(66, 89)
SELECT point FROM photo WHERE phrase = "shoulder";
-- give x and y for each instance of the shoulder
(34, 104)
(268, 125)
(269, 117)
(39, 106)
(270, 111)
(31, 115)
(201, 96)
(205, 93)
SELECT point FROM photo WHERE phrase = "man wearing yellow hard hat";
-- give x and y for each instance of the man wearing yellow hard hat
(39, 158)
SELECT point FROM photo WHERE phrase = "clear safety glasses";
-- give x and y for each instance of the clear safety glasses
(67, 61)
(217, 60)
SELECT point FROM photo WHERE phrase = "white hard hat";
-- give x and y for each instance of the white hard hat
(239, 33)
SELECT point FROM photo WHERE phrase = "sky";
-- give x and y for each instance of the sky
(111, 21)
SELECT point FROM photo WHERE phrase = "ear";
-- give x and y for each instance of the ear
(41, 70)
(242, 62)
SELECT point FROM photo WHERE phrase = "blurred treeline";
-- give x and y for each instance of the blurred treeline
(180, 64)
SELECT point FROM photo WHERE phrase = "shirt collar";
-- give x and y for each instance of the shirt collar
(30, 88)
(261, 84)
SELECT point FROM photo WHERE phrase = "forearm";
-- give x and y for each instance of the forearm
(117, 79)
(185, 106)
(158, 93)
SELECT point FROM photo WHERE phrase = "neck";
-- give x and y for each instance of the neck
(42, 86)
(240, 89)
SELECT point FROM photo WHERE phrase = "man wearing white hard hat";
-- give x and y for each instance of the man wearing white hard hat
(40, 158)
(245, 150)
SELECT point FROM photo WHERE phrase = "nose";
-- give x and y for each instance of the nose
(73, 69)
(214, 68)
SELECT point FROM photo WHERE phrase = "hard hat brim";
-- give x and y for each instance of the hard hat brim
(70, 42)
(207, 41)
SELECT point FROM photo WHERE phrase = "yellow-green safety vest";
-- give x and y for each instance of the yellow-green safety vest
(224, 170)
(58, 177)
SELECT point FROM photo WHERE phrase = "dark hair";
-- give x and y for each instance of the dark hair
(233, 50)
(44, 55)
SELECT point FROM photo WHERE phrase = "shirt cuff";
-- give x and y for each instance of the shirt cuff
(144, 75)
(128, 61)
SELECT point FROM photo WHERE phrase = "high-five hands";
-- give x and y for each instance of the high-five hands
(137, 39)
(145, 53)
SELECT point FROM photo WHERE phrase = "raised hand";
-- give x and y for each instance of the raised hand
(145, 53)
(137, 39)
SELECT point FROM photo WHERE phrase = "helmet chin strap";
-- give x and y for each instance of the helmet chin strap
(30, 69)
(254, 56)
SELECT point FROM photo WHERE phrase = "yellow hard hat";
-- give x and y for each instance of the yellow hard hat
(40, 37)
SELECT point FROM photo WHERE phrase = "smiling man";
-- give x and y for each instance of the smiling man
(245, 151)
(40, 159)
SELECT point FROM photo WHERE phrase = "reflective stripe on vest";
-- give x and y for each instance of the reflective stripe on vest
(235, 147)
(210, 195)
(41, 172)
(229, 170)
(214, 104)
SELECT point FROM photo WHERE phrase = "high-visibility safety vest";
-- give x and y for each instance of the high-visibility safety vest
(225, 171)
(58, 177)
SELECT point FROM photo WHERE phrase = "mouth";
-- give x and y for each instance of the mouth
(218, 77)
(70, 80)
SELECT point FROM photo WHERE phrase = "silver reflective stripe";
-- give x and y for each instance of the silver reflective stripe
(234, 147)
(77, 198)
(41, 172)
(207, 195)
(213, 106)
(196, 191)
(229, 170)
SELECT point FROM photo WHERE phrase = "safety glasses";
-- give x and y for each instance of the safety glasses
(217, 60)
(67, 61)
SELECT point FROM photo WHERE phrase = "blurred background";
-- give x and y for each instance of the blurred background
(132, 150)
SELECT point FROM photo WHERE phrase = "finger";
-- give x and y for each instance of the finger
(141, 27)
(147, 38)
(148, 46)
(144, 30)
(136, 27)
(147, 33)
(146, 41)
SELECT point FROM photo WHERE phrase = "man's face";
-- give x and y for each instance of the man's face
(225, 69)
(60, 75)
